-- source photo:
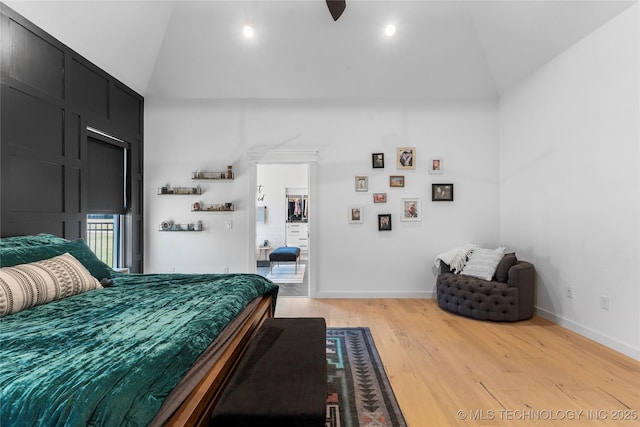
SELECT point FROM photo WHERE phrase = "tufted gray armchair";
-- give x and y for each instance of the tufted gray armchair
(508, 297)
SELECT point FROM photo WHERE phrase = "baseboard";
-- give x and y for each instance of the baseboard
(596, 336)
(374, 295)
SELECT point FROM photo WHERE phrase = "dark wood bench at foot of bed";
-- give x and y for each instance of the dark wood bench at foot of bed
(281, 380)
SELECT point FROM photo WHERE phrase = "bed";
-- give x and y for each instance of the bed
(132, 349)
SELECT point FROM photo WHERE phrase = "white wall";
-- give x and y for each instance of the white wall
(351, 260)
(569, 182)
(566, 171)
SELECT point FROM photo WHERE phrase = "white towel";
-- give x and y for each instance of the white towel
(261, 214)
(456, 258)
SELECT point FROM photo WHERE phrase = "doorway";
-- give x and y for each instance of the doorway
(282, 219)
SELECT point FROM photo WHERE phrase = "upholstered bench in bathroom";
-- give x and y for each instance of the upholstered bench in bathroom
(285, 254)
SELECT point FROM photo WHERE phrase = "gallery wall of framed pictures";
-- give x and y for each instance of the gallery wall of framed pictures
(387, 201)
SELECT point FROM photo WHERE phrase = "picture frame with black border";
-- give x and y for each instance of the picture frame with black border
(384, 222)
(442, 192)
(377, 160)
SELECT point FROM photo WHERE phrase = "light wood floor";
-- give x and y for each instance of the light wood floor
(497, 374)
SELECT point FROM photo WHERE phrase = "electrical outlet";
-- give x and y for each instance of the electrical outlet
(604, 302)
(569, 292)
(229, 224)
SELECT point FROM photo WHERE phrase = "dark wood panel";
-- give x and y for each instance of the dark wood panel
(139, 159)
(75, 229)
(126, 109)
(137, 262)
(19, 126)
(44, 162)
(73, 137)
(21, 227)
(88, 89)
(72, 193)
(67, 226)
(36, 186)
(35, 61)
(135, 187)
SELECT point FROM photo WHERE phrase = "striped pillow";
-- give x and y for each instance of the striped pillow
(27, 285)
(483, 263)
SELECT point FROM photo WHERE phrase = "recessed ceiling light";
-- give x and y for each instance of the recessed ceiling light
(247, 31)
(390, 30)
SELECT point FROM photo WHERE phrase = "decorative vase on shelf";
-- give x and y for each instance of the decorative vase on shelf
(229, 172)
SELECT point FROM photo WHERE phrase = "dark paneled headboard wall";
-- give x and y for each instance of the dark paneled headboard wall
(49, 96)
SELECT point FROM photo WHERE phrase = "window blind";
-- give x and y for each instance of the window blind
(107, 176)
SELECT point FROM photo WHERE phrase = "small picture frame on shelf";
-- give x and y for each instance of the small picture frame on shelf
(379, 197)
(362, 183)
(442, 192)
(355, 214)
(384, 222)
(396, 181)
(406, 158)
(436, 165)
(411, 210)
(377, 160)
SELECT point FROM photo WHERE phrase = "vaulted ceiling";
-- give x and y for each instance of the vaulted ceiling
(441, 49)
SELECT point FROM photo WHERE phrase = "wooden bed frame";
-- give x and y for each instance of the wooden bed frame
(196, 409)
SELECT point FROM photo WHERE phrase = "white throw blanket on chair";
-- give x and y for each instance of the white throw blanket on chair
(456, 258)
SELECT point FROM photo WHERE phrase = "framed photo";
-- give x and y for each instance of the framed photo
(411, 210)
(377, 160)
(396, 181)
(379, 197)
(435, 165)
(442, 192)
(355, 214)
(362, 183)
(406, 158)
(384, 222)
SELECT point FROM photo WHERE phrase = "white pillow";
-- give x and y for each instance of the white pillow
(483, 263)
(27, 285)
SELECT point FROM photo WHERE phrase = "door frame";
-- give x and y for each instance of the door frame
(283, 157)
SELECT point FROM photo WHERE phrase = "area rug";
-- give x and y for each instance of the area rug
(286, 273)
(359, 392)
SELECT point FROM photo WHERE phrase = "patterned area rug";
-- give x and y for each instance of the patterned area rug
(360, 394)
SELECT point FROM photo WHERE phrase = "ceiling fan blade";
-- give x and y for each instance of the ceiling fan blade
(336, 7)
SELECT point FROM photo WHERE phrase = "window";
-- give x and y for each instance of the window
(108, 196)
(104, 237)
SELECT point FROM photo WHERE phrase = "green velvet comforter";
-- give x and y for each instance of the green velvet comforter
(110, 357)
